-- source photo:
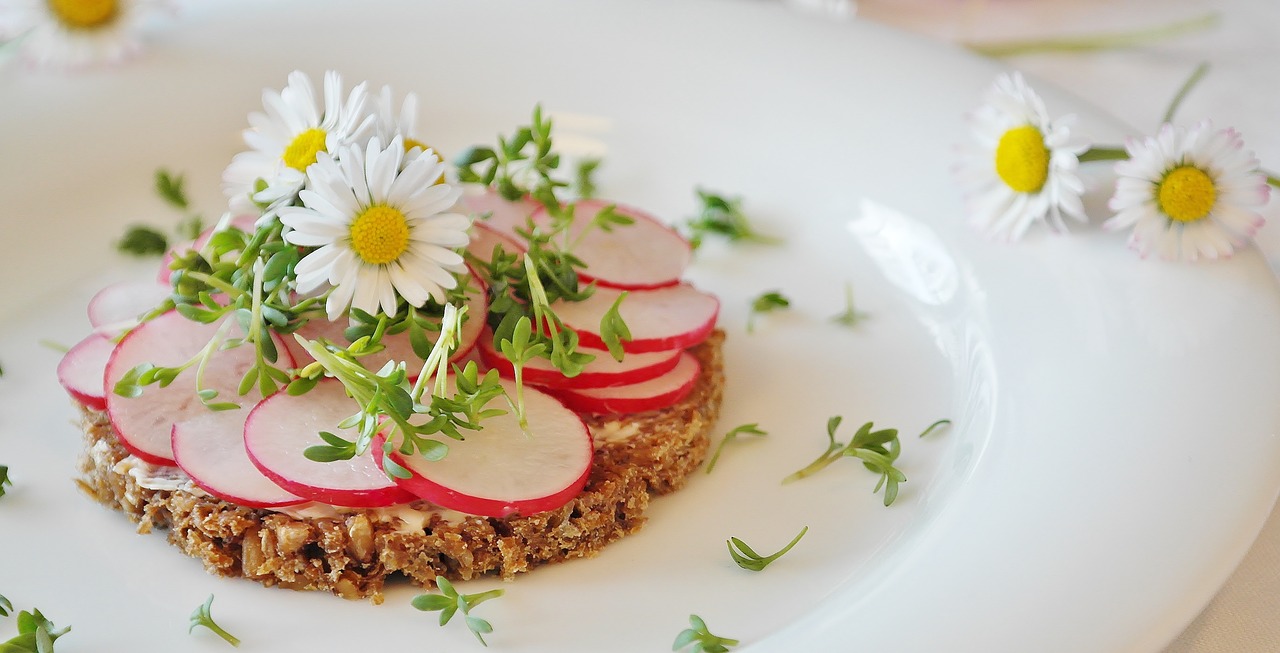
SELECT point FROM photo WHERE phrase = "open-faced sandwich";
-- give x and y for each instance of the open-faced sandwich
(375, 364)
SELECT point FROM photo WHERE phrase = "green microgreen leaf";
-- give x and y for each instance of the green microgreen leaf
(141, 240)
(722, 216)
(5, 606)
(335, 449)
(4, 478)
(171, 188)
(204, 617)
(700, 638)
(520, 165)
(850, 316)
(584, 183)
(36, 634)
(613, 330)
(877, 450)
(750, 560)
(745, 429)
(449, 602)
(768, 302)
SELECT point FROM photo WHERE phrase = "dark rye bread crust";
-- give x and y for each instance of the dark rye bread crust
(352, 554)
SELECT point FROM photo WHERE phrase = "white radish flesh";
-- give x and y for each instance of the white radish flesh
(485, 238)
(660, 319)
(144, 423)
(497, 213)
(602, 372)
(662, 392)
(117, 307)
(398, 346)
(210, 449)
(501, 470)
(82, 368)
(645, 254)
(282, 427)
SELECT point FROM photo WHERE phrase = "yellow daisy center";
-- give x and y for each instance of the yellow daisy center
(304, 148)
(410, 143)
(379, 235)
(1186, 194)
(84, 14)
(1022, 160)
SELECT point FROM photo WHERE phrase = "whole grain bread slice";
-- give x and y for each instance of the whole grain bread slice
(352, 553)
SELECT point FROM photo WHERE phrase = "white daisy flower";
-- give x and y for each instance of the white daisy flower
(404, 124)
(382, 233)
(286, 139)
(74, 33)
(1022, 168)
(1187, 193)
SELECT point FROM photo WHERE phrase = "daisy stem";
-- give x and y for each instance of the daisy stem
(1104, 154)
(1185, 89)
(1096, 42)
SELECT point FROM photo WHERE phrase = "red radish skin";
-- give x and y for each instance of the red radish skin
(502, 471)
(117, 307)
(602, 372)
(397, 346)
(280, 429)
(210, 449)
(82, 368)
(144, 423)
(660, 319)
(656, 394)
(495, 212)
(646, 254)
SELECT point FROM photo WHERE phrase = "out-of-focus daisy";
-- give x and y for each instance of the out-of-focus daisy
(382, 232)
(74, 33)
(285, 140)
(1022, 167)
(1188, 193)
(402, 124)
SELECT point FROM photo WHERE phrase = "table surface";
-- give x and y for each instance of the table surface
(1242, 90)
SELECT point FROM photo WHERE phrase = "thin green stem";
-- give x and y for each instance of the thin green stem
(1185, 89)
(832, 454)
(1274, 181)
(1098, 41)
(1104, 154)
(215, 282)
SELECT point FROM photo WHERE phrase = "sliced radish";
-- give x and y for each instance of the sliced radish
(280, 429)
(655, 394)
(602, 372)
(660, 319)
(210, 449)
(397, 346)
(246, 223)
(144, 423)
(646, 254)
(501, 470)
(82, 368)
(117, 307)
(485, 238)
(497, 213)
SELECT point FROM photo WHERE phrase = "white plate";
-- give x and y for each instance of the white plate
(1114, 450)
